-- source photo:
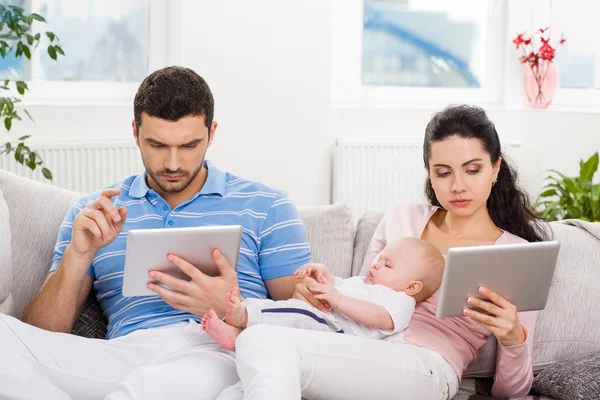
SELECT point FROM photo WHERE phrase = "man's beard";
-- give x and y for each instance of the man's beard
(173, 187)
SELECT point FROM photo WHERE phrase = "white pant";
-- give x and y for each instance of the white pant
(284, 363)
(179, 361)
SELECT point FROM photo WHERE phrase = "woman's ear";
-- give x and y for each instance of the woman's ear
(413, 288)
(497, 167)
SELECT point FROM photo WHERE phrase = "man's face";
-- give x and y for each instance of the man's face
(173, 152)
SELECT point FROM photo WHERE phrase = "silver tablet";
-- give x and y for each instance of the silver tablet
(147, 249)
(521, 273)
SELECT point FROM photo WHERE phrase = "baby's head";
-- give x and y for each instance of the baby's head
(410, 265)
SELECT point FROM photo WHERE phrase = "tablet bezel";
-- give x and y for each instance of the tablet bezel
(147, 249)
(522, 273)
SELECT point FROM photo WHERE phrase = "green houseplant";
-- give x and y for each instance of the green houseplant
(572, 197)
(16, 40)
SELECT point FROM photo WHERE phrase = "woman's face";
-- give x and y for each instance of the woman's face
(461, 174)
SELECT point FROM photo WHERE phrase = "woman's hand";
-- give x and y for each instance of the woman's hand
(302, 292)
(503, 321)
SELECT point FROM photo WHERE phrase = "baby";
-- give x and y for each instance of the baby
(405, 273)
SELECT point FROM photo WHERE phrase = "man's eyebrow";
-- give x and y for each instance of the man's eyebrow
(190, 143)
(154, 141)
(193, 142)
(464, 164)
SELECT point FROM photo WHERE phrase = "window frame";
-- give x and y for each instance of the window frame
(530, 16)
(348, 91)
(164, 48)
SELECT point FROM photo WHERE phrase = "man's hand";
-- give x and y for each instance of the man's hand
(302, 292)
(97, 225)
(200, 294)
(318, 272)
(328, 293)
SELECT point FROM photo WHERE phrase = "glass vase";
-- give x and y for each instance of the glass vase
(540, 83)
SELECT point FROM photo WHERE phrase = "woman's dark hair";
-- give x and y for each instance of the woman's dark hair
(508, 205)
(173, 93)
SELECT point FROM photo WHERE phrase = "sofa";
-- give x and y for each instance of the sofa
(567, 337)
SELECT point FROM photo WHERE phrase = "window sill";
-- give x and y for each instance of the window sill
(438, 106)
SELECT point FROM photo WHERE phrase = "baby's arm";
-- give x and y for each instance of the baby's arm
(362, 311)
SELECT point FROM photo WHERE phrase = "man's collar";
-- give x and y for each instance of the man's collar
(139, 187)
(215, 182)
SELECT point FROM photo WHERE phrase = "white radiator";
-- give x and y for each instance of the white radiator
(83, 167)
(375, 174)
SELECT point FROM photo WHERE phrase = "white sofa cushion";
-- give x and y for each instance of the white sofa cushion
(6, 300)
(36, 212)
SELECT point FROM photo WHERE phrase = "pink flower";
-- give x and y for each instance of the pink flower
(534, 52)
(546, 52)
(518, 40)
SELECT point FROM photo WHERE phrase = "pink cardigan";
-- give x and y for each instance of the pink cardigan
(456, 339)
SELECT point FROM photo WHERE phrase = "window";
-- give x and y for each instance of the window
(424, 43)
(578, 59)
(109, 49)
(417, 51)
(104, 41)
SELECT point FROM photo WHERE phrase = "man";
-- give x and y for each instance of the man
(156, 348)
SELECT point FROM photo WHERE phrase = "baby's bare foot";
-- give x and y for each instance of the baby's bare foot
(235, 313)
(223, 333)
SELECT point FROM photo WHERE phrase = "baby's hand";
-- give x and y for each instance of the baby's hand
(328, 293)
(318, 272)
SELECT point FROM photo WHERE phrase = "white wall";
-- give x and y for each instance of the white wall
(268, 64)
(543, 139)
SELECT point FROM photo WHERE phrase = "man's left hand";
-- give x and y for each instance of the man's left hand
(200, 294)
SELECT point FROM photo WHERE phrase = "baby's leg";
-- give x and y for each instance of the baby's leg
(222, 332)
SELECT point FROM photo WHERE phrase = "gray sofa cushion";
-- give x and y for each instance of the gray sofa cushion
(365, 229)
(6, 299)
(575, 378)
(567, 327)
(330, 231)
(36, 211)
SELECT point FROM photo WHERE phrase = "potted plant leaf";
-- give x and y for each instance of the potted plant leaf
(572, 197)
(16, 40)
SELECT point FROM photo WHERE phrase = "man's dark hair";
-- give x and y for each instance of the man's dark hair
(173, 93)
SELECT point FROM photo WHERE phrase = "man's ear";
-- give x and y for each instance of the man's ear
(413, 288)
(135, 133)
(211, 133)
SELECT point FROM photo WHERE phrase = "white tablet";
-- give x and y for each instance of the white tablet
(147, 250)
(521, 273)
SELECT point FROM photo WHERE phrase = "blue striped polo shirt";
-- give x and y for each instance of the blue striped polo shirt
(273, 242)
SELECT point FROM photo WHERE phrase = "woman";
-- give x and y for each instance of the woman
(474, 201)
